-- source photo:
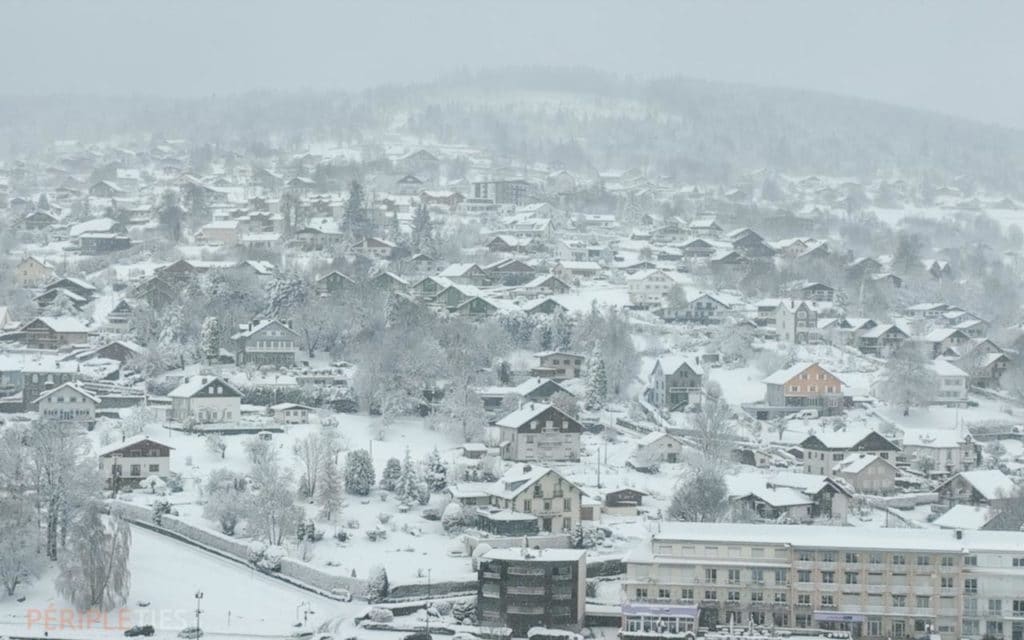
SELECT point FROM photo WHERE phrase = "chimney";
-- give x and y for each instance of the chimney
(527, 468)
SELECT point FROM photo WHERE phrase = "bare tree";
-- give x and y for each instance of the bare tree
(95, 574)
(700, 496)
(713, 430)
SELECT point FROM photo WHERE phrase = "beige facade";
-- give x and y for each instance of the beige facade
(885, 583)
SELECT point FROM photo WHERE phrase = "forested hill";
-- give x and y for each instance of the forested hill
(577, 118)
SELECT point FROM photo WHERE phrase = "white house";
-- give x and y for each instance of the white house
(952, 383)
(290, 413)
(649, 286)
(68, 403)
(205, 399)
(134, 459)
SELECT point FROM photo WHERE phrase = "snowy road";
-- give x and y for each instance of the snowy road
(237, 602)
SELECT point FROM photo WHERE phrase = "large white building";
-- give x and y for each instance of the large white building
(883, 583)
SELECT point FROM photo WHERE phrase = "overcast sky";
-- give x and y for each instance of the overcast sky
(963, 58)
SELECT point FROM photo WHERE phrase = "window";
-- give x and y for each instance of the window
(898, 560)
(1017, 562)
(899, 600)
(641, 593)
(852, 558)
(780, 597)
(923, 561)
(757, 576)
(923, 602)
(154, 468)
(827, 600)
(527, 505)
(757, 596)
(710, 595)
(803, 598)
(781, 576)
(1018, 608)
(734, 576)
(948, 561)
(995, 606)
(828, 577)
(828, 556)
(971, 585)
(806, 556)
(947, 582)
(567, 504)
(803, 576)
(664, 594)
(851, 577)
(711, 575)
(547, 506)
(875, 558)
(734, 596)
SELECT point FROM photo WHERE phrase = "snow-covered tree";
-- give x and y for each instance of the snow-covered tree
(908, 379)
(270, 508)
(377, 585)
(597, 381)
(392, 472)
(21, 559)
(209, 339)
(713, 430)
(436, 472)
(359, 473)
(357, 221)
(452, 517)
(225, 499)
(422, 231)
(330, 489)
(700, 496)
(461, 413)
(216, 444)
(94, 573)
(310, 452)
(407, 489)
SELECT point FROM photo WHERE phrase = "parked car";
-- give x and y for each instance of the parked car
(419, 635)
(190, 633)
(137, 630)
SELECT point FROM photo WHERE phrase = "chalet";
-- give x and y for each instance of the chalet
(805, 386)
(374, 248)
(156, 292)
(420, 161)
(816, 291)
(558, 365)
(430, 287)
(452, 295)
(824, 450)
(729, 263)
(408, 185)
(290, 413)
(508, 244)
(267, 342)
(943, 342)
(59, 299)
(545, 284)
(509, 272)
(540, 494)
(649, 287)
(867, 473)
(655, 448)
(951, 383)
(750, 244)
(698, 248)
(300, 185)
(448, 199)
(862, 268)
(706, 308)
(334, 283)
(890, 280)
(122, 351)
(676, 381)
(319, 237)
(219, 232)
(119, 318)
(623, 502)
(51, 333)
(799, 497)
(465, 273)
(68, 403)
(546, 306)
(940, 452)
(205, 399)
(31, 273)
(389, 281)
(882, 340)
(927, 310)
(796, 321)
(77, 286)
(572, 269)
(106, 189)
(987, 369)
(706, 228)
(539, 431)
(989, 487)
(39, 220)
(538, 389)
(131, 461)
(179, 272)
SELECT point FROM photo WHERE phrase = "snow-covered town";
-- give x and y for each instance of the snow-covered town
(519, 354)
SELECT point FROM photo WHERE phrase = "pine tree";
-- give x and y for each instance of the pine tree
(329, 488)
(422, 230)
(209, 339)
(359, 474)
(437, 472)
(357, 222)
(377, 587)
(597, 381)
(408, 487)
(392, 472)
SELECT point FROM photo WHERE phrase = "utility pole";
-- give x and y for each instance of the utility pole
(426, 607)
(199, 599)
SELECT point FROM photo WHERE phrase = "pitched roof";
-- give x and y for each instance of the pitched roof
(992, 484)
(671, 363)
(194, 385)
(69, 385)
(782, 376)
(127, 442)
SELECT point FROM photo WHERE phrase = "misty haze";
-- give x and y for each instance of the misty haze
(501, 320)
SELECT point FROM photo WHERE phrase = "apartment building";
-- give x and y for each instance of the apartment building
(892, 583)
(521, 588)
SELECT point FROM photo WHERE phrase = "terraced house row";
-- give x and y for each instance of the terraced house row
(882, 583)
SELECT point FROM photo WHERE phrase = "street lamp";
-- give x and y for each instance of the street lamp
(199, 599)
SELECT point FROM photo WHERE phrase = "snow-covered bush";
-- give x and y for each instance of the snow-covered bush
(464, 611)
(453, 517)
(381, 614)
(377, 587)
